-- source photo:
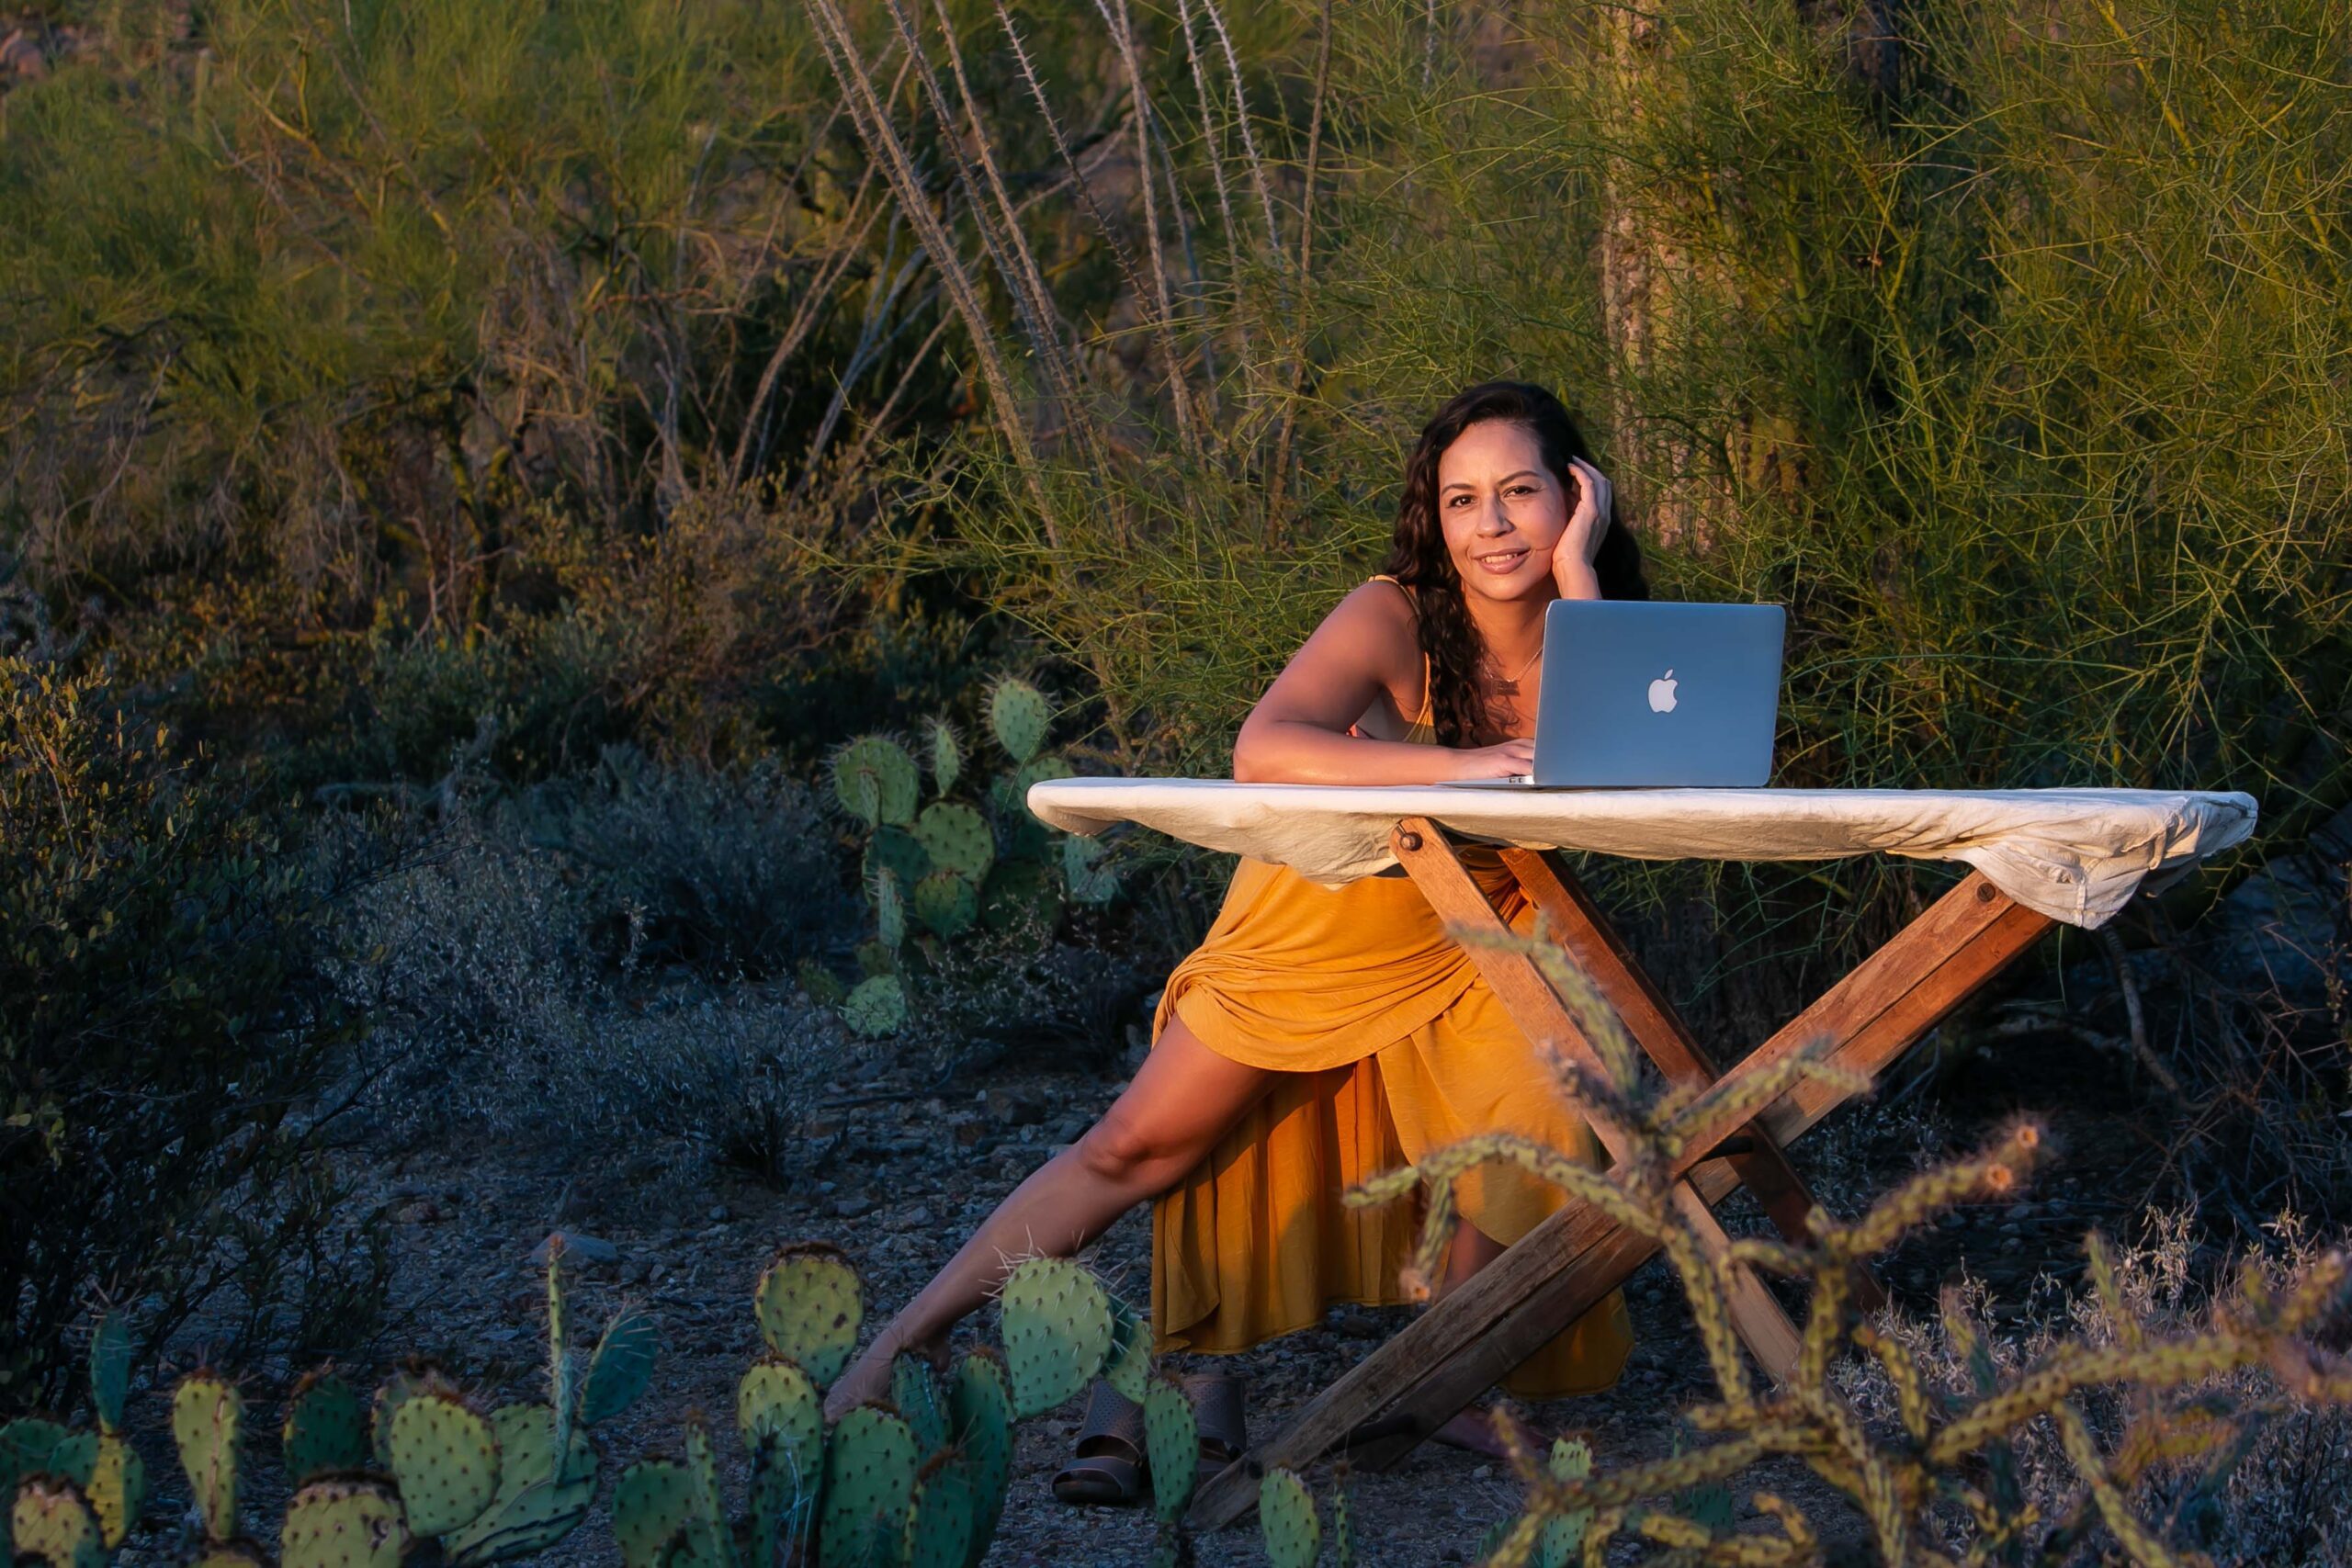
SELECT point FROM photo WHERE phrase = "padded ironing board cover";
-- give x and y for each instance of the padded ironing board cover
(2076, 855)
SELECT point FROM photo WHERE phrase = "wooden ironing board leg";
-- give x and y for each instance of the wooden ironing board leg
(1457, 1348)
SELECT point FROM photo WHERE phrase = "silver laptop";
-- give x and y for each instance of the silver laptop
(1643, 693)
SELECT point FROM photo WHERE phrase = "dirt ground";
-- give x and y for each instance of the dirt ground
(910, 1172)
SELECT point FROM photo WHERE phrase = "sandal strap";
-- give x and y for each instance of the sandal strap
(1218, 1412)
(1111, 1421)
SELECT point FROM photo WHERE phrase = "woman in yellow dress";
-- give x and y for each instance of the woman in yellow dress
(1320, 1035)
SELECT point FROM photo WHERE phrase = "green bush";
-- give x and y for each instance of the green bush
(160, 950)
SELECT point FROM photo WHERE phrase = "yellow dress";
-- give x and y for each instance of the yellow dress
(1389, 1045)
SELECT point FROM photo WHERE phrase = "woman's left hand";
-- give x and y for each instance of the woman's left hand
(1581, 541)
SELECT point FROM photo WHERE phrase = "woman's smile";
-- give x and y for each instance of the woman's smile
(1503, 560)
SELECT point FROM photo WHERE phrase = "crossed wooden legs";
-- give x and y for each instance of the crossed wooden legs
(1464, 1343)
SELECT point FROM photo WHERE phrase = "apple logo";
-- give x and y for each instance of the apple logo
(1662, 693)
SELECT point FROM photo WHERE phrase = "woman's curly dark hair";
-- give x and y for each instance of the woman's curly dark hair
(1462, 677)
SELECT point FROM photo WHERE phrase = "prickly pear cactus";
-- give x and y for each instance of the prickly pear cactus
(889, 907)
(1173, 1440)
(344, 1522)
(1089, 880)
(1019, 716)
(1286, 1518)
(620, 1365)
(1128, 1366)
(957, 838)
(809, 1306)
(979, 1411)
(325, 1429)
(416, 1376)
(819, 983)
(942, 753)
(1562, 1540)
(52, 1521)
(208, 1426)
(876, 782)
(117, 1488)
(940, 1519)
(916, 1395)
(1343, 1519)
(1019, 891)
(446, 1460)
(782, 1418)
(896, 850)
(653, 1502)
(110, 1372)
(875, 1006)
(1057, 1331)
(535, 1506)
(870, 1465)
(25, 1444)
(946, 903)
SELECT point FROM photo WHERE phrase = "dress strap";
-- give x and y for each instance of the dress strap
(1428, 684)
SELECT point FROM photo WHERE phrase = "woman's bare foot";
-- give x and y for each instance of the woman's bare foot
(868, 1377)
(1474, 1430)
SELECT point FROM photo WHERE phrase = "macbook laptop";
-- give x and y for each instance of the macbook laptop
(1642, 694)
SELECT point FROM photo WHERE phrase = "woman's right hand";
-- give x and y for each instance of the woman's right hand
(1506, 760)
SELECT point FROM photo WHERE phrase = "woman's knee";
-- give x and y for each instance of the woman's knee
(1126, 1151)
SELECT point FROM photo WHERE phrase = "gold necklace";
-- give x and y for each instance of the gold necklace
(1512, 684)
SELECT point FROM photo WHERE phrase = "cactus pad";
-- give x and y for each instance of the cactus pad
(916, 1395)
(869, 1485)
(946, 903)
(809, 1306)
(26, 1444)
(406, 1382)
(1286, 1518)
(325, 1429)
(875, 781)
(898, 850)
(117, 1488)
(342, 1522)
(1019, 716)
(875, 1006)
(1562, 1540)
(207, 1425)
(889, 896)
(620, 1365)
(1019, 891)
(1057, 1330)
(1128, 1367)
(652, 1502)
(979, 1411)
(446, 1462)
(957, 838)
(943, 753)
(75, 1458)
(777, 1400)
(941, 1519)
(52, 1521)
(110, 1372)
(820, 985)
(535, 1507)
(239, 1553)
(1090, 882)
(1173, 1440)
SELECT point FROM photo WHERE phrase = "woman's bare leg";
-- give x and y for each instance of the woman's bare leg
(1180, 1104)
(1472, 1250)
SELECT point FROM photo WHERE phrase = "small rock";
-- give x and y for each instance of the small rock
(1008, 1109)
(916, 1217)
(852, 1207)
(719, 1212)
(579, 1249)
(1358, 1325)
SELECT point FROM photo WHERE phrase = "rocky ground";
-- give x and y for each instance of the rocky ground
(911, 1170)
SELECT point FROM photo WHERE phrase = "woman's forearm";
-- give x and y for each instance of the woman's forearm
(1289, 751)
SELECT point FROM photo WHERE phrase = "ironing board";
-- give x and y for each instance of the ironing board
(2038, 858)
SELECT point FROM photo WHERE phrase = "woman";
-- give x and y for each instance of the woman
(1321, 1035)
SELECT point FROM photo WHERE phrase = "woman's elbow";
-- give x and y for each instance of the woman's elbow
(1246, 765)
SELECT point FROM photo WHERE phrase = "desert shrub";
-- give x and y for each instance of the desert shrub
(161, 948)
(2123, 1432)
(509, 982)
(731, 874)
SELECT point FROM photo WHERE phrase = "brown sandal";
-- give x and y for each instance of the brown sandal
(1216, 1412)
(1107, 1467)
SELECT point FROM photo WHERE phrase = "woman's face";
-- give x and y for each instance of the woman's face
(1501, 511)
